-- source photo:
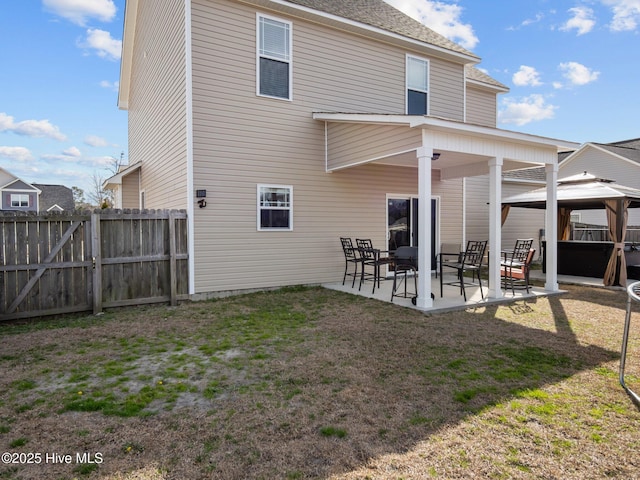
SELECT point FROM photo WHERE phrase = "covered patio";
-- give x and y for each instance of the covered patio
(450, 301)
(455, 150)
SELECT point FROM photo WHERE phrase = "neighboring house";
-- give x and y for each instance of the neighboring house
(617, 161)
(18, 195)
(126, 187)
(282, 125)
(56, 198)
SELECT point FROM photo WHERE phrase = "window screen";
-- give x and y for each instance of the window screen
(274, 50)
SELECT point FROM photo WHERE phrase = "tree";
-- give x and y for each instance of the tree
(98, 196)
(78, 196)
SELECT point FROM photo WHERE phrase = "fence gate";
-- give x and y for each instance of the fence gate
(73, 262)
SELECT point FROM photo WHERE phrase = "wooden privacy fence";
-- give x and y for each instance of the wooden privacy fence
(86, 261)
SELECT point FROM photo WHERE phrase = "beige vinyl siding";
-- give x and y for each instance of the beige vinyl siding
(157, 110)
(353, 143)
(521, 222)
(450, 193)
(131, 190)
(605, 165)
(241, 140)
(481, 107)
(446, 90)
(5, 178)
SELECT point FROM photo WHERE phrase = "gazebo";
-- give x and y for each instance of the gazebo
(587, 192)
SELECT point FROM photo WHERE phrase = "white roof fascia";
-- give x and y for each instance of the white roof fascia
(487, 86)
(466, 59)
(416, 121)
(128, 40)
(117, 178)
(8, 188)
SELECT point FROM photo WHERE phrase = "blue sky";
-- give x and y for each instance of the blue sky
(573, 69)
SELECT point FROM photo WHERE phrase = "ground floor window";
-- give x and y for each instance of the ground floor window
(275, 207)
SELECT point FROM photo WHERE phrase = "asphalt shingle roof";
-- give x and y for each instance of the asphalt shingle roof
(380, 14)
(55, 195)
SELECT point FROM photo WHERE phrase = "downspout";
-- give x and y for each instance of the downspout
(189, 146)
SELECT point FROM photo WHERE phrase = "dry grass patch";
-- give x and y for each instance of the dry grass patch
(311, 383)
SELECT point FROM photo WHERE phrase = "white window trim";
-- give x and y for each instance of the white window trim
(289, 61)
(259, 208)
(20, 200)
(406, 82)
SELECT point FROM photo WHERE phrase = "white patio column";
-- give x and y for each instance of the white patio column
(495, 226)
(424, 224)
(551, 228)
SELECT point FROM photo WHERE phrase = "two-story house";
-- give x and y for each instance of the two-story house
(21, 196)
(282, 125)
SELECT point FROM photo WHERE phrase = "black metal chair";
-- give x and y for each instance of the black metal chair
(470, 261)
(405, 261)
(449, 252)
(351, 257)
(514, 266)
(374, 258)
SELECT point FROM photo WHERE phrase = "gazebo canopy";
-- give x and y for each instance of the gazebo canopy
(587, 192)
(578, 192)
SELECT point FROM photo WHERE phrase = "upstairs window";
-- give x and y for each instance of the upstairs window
(19, 200)
(274, 58)
(417, 86)
(275, 207)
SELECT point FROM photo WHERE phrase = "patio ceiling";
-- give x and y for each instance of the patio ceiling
(465, 149)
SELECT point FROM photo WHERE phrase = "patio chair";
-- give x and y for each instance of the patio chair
(449, 252)
(405, 261)
(517, 276)
(371, 257)
(351, 257)
(514, 267)
(470, 261)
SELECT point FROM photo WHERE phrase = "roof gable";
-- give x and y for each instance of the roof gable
(21, 185)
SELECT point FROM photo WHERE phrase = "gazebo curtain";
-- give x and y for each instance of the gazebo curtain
(564, 223)
(617, 221)
(504, 213)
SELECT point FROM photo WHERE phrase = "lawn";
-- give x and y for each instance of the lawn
(312, 383)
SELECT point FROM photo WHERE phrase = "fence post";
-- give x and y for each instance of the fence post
(173, 273)
(97, 263)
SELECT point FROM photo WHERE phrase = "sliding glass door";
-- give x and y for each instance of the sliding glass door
(402, 223)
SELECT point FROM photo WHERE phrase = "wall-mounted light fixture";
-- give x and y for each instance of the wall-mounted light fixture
(202, 195)
(436, 156)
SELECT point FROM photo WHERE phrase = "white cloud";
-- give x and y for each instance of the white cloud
(79, 11)
(626, 14)
(110, 85)
(528, 21)
(525, 110)
(72, 152)
(95, 141)
(19, 154)
(578, 74)
(30, 128)
(441, 17)
(582, 20)
(526, 76)
(103, 44)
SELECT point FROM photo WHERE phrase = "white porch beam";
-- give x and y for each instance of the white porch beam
(495, 226)
(551, 228)
(424, 153)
